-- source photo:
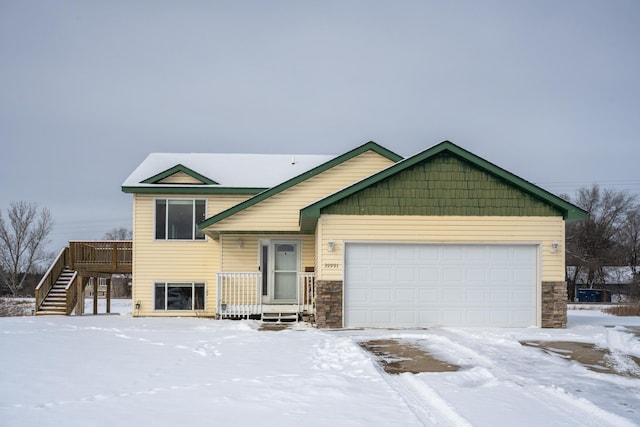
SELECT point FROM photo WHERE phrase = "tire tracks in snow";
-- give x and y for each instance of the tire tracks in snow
(423, 401)
(430, 408)
(553, 397)
(436, 399)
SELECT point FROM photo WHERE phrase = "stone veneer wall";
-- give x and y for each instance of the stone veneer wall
(554, 304)
(329, 303)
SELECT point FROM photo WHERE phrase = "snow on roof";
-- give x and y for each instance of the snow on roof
(229, 170)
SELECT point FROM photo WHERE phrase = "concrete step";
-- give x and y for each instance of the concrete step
(280, 317)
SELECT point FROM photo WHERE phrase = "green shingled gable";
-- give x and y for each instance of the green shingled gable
(443, 184)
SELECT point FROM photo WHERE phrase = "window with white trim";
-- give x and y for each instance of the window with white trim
(185, 296)
(177, 219)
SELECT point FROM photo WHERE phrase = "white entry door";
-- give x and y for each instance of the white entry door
(417, 285)
(284, 264)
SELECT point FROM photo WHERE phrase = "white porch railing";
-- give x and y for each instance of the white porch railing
(307, 293)
(240, 294)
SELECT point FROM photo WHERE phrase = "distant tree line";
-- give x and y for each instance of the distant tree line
(118, 233)
(609, 237)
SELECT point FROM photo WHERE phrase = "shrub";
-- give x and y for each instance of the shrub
(624, 310)
(15, 307)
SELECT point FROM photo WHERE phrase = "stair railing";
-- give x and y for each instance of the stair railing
(50, 277)
(307, 293)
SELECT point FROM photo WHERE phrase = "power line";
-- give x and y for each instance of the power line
(630, 185)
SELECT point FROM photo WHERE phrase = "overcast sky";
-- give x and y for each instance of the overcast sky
(549, 90)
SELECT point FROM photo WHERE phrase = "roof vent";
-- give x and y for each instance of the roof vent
(293, 159)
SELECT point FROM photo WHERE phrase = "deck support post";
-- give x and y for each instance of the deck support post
(80, 295)
(108, 295)
(95, 294)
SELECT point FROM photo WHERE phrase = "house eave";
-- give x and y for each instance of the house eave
(569, 211)
(191, 189)
(369, 146)
(179, 168)
(215, 234)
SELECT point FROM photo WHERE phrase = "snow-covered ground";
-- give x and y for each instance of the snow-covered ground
(117, 370)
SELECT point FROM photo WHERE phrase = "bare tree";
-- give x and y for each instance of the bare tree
(630, 243)
(594, 243)
(23, 241)
(118, 233)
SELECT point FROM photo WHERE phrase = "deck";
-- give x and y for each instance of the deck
(62, 287)
(109, 256)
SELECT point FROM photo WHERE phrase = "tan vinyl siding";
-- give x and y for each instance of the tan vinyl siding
(281, 211)
(247, 258)
(439, 229)
(180, 178)
(168, 261)
(321, 246)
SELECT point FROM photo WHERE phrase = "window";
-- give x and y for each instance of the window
(177, 219)
(179, 296)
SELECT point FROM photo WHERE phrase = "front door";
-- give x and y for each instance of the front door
(283, 261)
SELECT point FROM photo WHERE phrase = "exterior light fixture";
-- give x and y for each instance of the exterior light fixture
(240, 243)
(330, 245)
(554, 247)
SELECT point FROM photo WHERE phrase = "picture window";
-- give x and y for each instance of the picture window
(177, 219)
(185, 296)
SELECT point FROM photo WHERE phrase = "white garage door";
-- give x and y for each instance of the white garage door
(415, 285)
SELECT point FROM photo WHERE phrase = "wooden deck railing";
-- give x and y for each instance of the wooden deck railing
(50, 277)
(107, 256)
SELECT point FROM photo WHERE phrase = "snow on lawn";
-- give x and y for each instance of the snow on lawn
(117, 370)
(118, 306)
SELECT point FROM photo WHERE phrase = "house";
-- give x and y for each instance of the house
(363, 239)
(606, 284)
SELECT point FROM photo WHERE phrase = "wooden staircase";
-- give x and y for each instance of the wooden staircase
(55, 303)
(62, 285)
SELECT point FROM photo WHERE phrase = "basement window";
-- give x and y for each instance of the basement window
(180, 296)
(177, 219)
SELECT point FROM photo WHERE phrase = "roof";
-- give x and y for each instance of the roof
(219, 172)
(369, 146)
(310, 214)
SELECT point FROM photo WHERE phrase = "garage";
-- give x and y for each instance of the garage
(417, 285)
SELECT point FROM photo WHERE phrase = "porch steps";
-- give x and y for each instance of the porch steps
(279, 313)
(55, 303)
